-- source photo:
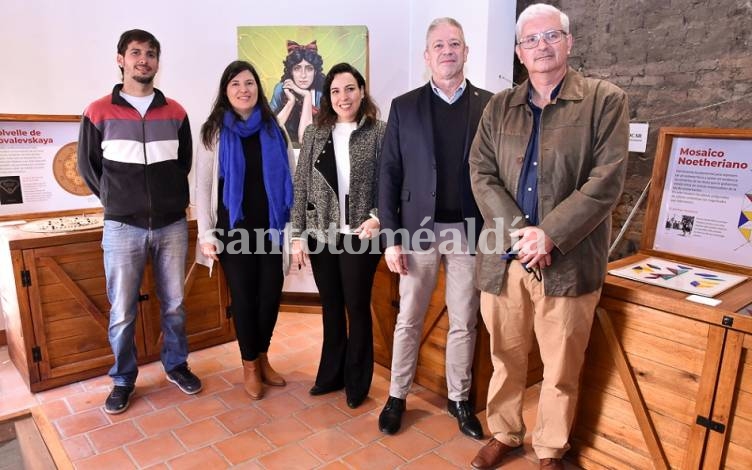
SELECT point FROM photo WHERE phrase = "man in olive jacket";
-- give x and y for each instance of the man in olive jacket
(547, 167)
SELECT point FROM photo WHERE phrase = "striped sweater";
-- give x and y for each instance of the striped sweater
(137, 166)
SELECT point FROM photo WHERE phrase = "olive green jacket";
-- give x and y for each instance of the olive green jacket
(582, 163)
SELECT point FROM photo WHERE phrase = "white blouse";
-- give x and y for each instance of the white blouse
(341, 140)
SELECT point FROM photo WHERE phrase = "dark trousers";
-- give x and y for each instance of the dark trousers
(344, 281)
(255, 280)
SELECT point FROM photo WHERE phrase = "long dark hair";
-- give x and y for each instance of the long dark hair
(326, 116)
(210, 129)
(297, 54)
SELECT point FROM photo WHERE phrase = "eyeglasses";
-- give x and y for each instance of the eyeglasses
(551, 37)
(510, 255)
(534, 271)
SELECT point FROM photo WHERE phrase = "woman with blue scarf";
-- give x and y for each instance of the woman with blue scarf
(243, 196)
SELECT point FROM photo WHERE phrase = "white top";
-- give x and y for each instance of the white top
(341, 139)
(141, 103)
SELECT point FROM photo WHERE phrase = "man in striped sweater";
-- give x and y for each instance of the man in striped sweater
(134, 153)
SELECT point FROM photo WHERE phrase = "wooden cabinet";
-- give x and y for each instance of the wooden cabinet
(56, 310)
(667, 383)
(431, 368)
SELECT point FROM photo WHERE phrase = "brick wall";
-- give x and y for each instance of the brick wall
(671, 57)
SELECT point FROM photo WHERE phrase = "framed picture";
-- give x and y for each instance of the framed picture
(700, 203)
(679, 276)
(38, 173)
(292, 62)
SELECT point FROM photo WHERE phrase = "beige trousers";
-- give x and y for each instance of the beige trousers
(462, 300)
(562, 327)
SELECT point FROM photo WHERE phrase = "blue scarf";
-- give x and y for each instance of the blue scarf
(277, 180)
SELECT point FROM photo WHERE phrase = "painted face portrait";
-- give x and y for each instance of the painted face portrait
(303, 74)
(296, 98)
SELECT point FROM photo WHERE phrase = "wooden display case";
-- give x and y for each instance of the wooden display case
(52, 285)
(667, 381)
(56, 310)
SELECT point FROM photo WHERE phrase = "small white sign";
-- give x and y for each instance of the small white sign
(638, 136)
(704, 300)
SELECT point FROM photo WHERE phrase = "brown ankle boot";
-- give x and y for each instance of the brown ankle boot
(252, 379)
(269, 375)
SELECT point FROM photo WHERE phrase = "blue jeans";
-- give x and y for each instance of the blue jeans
(126, 249)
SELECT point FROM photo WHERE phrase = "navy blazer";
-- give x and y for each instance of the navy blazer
(408, 169)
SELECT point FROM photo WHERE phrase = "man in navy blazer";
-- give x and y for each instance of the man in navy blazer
(428, 216)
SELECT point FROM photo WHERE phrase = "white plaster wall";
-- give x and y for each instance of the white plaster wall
(59, 55)
(489, 33)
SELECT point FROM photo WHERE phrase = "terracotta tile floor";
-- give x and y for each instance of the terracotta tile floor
(222, 428)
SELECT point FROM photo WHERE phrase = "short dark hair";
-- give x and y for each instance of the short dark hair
(138, 35)
(210, 129)
(327, 116)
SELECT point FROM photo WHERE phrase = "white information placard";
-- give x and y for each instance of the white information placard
(706, 208)
(638, 136)
(38, 168)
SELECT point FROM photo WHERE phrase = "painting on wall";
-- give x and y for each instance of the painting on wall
(292, 62)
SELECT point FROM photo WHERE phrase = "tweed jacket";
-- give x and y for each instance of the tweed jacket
(582, 163)
(207, 198)
(316, 205)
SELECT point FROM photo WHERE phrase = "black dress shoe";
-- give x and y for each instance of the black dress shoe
(466, 419)
(390, 418)
(355, 402)
(319, 390)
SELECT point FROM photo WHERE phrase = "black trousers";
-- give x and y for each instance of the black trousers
(255, 280)
(344, 281)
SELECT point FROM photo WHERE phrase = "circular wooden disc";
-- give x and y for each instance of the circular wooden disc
(65, 170)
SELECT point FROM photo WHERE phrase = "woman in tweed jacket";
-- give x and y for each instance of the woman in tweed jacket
(334, 223)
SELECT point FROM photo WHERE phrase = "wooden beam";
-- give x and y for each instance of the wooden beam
(647, 428)
(724, 399)
(75, 291)
(704, 399)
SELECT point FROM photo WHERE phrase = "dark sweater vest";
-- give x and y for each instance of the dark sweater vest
(449, 130)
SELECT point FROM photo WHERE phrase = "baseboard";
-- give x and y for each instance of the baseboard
(300, 303)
